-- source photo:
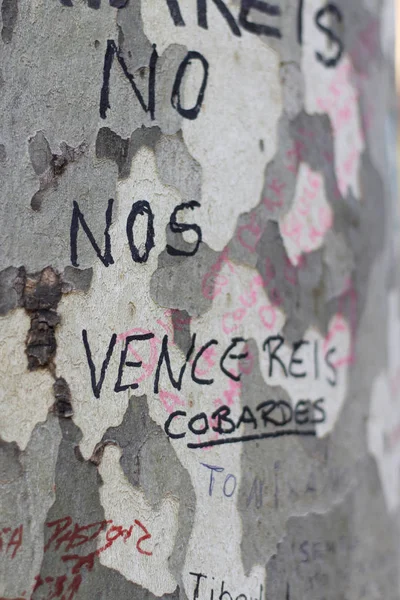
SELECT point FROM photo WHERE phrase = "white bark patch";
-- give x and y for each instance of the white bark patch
(304, 227)
(144, 561)
(25, 397)
(331, 91)
(242, 104)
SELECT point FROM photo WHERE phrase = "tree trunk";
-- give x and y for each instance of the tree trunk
(200, 309)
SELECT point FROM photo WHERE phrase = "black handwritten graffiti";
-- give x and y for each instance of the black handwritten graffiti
(329, 9)
(223, 593)
(149, 106)
(97, 3)
(202, 19)
(246, 19)
(276, 363)
(139, 254)
(177, 227)
(113, 50)
(269, 420)
(273, 10)
(189, 113)
(78, 218)
(142, 207)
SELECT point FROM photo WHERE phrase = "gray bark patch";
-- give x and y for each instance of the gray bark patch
(50, 166)
(9, 15)
(3, 153)
(74, 279)
(330, 555)
(9, 296)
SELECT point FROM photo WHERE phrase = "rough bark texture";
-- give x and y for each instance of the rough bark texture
(199, 300)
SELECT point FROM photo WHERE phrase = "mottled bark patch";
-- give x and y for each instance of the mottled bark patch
(114, 147)
(50, 166)
(76, 279)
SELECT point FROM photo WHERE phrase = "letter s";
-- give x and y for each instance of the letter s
(333, 10)
(181, 227)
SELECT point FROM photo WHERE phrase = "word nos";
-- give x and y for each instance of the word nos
(235, 24)
(11, 540)
(224, 594)
(139, 252)
(68, 536)
(277, 413)
(229, 363)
